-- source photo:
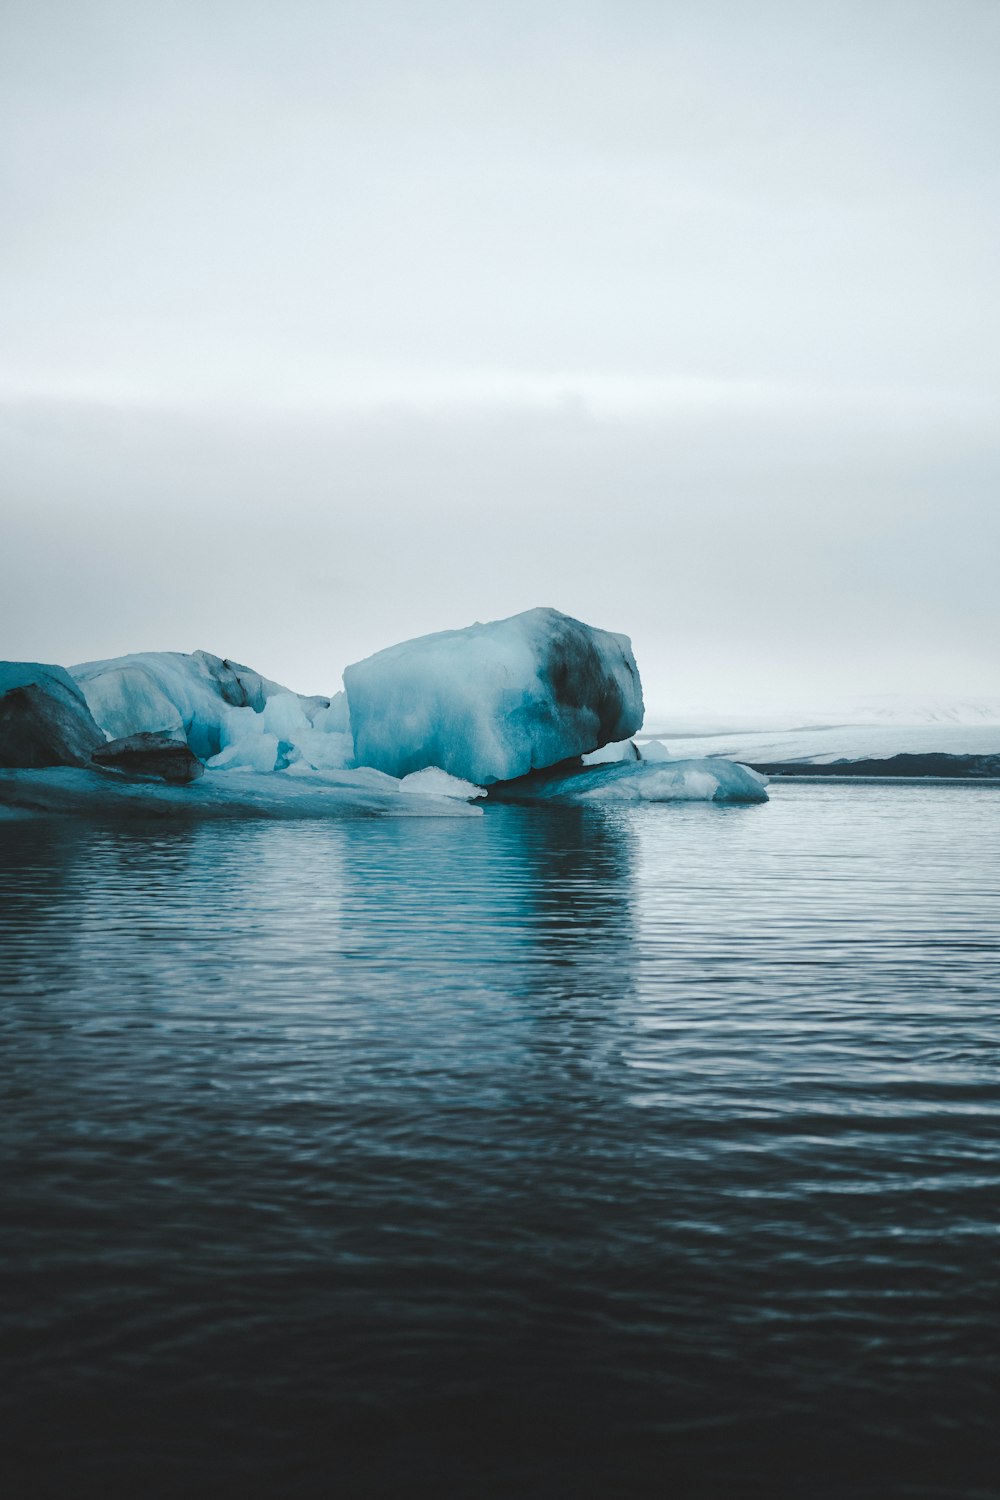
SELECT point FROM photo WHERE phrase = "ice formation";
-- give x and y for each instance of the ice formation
(44, 718)
(288, 731)
(170, 692)
(824, 744)
(654, 750)
(220, 794)
(434, 783)
(539, 707)
(230, 715)
(705, 780)
(492, 702)
(620, 750)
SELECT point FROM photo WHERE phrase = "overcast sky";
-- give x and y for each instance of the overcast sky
(327, 324)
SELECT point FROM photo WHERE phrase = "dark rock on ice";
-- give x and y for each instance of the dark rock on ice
(44, 718)
(929, 763)
(158, 755)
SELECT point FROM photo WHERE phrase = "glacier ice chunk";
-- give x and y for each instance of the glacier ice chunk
(334, 717)
(324, 752)
(171, 692)
(619, 750)
(283, 734)
(654, 750)
(432, 782)
(705, 780)
(229, 715)
(284, 714)
(493, 701)
(251, 752)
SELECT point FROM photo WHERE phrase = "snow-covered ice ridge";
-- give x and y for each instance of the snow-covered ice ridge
(869, 729)
(426, 726)
(888, 711)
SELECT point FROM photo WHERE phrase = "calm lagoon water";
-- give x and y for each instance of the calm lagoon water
(559, 1152)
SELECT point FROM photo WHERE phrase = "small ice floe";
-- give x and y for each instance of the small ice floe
(667, 781)
(619, 750)
(432, 782)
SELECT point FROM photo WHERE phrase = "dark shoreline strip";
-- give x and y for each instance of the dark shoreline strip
(780, 777)
(931, 765)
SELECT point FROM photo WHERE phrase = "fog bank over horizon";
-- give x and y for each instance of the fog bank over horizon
(324, 328)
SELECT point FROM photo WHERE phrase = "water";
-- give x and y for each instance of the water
(556, 1153)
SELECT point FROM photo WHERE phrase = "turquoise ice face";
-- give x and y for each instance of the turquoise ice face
(494, 701)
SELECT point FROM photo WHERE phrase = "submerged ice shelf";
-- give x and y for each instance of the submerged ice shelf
(224, 794)
(639, 781)
(539, 707)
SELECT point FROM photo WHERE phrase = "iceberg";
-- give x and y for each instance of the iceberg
(228, 714)
(171, 692)
(538, 707)
(705, 780)
(494, 701)
(44, 718)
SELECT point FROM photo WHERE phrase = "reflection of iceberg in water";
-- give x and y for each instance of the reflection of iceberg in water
(520, 889)
(403, 934)
(579, 868)
(173, 913)
(42, 906)
(528, 954)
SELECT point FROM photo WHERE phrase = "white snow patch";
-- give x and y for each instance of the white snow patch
(618, 750)
(432, 782)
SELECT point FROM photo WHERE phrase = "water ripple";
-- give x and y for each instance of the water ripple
(559, 1152)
